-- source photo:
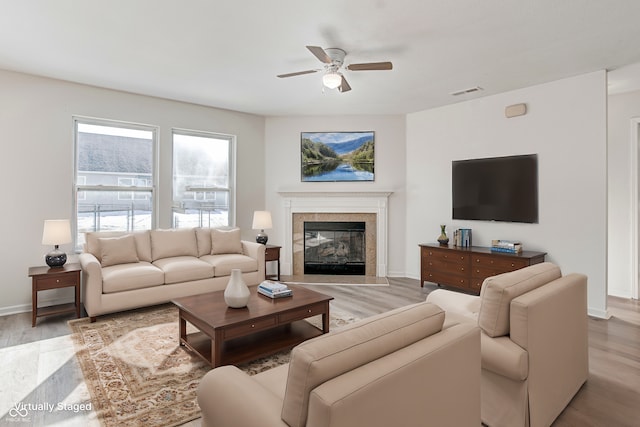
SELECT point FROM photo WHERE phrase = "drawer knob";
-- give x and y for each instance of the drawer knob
(309, 311)
(513, 265)
(461, 268)
(57, 280)
(253, 326)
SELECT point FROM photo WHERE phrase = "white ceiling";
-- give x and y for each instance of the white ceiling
(227, 53)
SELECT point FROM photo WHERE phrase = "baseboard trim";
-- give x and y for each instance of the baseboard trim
(26, 308)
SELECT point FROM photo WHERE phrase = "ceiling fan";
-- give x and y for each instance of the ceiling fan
(333, 58)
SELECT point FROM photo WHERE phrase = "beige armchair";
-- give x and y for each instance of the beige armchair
(395, 369)
(534, 342)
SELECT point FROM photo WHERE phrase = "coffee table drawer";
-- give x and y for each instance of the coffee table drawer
(246, 328)
(301, 313)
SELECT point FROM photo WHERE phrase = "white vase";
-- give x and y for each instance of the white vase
(236, 294)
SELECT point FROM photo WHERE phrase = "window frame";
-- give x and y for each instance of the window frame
(231, 188)
(83, 120)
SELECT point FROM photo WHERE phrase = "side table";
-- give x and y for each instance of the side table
(44, 278)
(272, 253)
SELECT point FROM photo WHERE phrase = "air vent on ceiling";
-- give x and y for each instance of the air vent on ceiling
(470, 90)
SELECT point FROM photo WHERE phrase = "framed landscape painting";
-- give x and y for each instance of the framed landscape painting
(337, 156)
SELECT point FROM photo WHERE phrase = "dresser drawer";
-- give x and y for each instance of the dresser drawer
(247, 328)
(301, 313)
(497, 263)
(445, 255)
(58, 281)
(445, 278)
(433, 263)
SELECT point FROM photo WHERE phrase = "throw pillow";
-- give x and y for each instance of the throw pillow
(118, 250)
(225, 241)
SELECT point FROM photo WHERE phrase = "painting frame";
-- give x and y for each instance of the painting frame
(339, 156)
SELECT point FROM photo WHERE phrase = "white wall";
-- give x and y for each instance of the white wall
(623, 110)
(566, 126)
(36, 166)
(282, 154)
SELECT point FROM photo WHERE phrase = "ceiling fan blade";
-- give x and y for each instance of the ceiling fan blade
(344, 86)
(297, 73)
(370, 66)
(319, 53)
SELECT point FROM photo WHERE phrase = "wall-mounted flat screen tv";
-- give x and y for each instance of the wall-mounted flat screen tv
(496, 189)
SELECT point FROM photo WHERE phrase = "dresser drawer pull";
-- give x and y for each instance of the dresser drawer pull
(253, 326)
(309, 311)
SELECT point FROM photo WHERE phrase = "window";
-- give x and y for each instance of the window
(114, 176)
(202, 179)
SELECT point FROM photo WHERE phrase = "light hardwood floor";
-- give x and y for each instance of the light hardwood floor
(37, 364)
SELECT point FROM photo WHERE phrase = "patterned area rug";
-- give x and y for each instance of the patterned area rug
(136, 372)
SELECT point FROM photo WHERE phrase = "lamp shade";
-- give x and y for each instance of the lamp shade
(332, 80)
(262, 220)
(56, 232)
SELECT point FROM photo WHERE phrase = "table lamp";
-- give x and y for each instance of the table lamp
(56, 232)
(262, 221)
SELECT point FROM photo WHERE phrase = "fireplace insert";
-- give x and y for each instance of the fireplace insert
(334, 248)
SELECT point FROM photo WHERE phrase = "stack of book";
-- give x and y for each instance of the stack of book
(462, 237)
(273, 289)
(507, 246)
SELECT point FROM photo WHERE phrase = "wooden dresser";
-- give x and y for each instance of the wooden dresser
(467, 267)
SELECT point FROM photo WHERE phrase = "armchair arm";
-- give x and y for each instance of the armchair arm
(230, 398)
(456, 302)
(91, 282)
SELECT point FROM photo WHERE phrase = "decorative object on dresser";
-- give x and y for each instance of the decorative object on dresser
(262, 221)
(443, 239)
(56, 232)
(462, 237)
(466, 267)
(236, 294)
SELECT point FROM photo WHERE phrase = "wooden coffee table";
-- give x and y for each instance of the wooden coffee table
(266, 326)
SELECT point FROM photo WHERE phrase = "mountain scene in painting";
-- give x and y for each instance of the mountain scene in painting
(337, 156)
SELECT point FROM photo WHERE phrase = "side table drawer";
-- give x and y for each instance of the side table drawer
(249, 327)
(301, 313)
(54, 282)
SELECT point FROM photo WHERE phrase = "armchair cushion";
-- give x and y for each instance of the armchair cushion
(321, 359)
(498, 291)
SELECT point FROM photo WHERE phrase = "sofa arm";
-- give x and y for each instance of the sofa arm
(91, 282)
(256, 251)
(230, 398)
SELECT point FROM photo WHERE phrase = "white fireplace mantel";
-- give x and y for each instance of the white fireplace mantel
(337, 202)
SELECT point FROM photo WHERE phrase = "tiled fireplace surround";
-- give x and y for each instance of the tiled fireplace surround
(368, 207)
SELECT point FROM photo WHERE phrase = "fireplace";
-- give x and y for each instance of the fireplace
(369, 207)
(332, 247)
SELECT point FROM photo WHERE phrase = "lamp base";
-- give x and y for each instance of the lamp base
(55, 258)
(262, 237)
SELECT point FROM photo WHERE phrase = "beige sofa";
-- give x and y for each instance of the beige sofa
(395, 369)
(122, 271)
(534, 341)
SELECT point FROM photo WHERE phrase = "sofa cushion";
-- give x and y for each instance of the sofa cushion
(183, 269)
(174, 242)
(126, 277)
(118, 250)
(203, 239)
(328, 356)
(222, 264)
(143, 242)
(498, 291)
(225, 241)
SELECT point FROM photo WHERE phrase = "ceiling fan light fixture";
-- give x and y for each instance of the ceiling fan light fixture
(332, 79)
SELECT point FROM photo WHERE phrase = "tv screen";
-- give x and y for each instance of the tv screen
(496, 189)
